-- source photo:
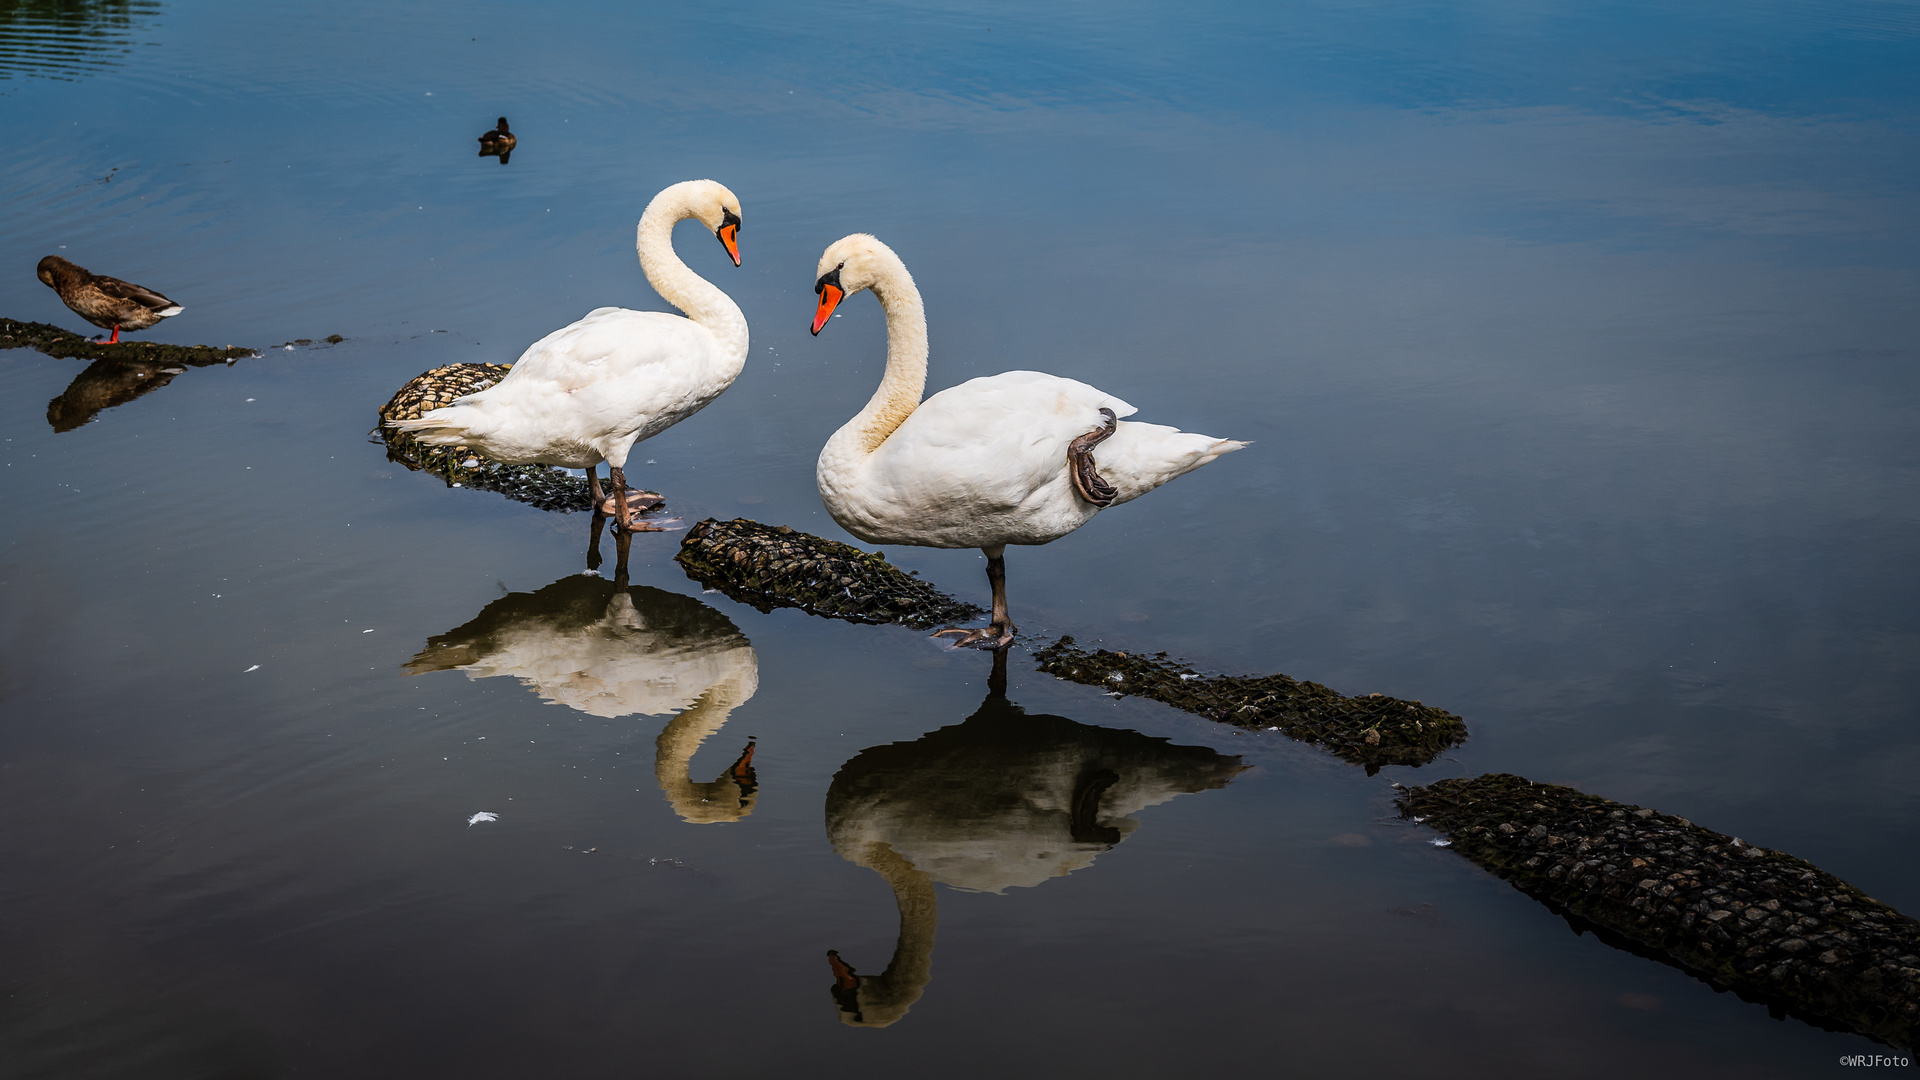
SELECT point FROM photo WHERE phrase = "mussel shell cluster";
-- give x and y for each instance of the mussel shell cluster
(1374, 730)
(540, 486)
(776, 566)
(1761, 923)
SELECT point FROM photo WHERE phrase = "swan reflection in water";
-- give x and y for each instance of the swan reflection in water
(609, 649)
(1003, 800)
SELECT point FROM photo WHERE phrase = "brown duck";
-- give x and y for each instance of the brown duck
(499, 142)
(106, 302)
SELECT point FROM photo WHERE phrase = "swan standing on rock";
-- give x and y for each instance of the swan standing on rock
(1004, 459)
(587, 392)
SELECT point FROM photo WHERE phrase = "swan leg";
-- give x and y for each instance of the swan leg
(1082, 468)
(622, 542)
(997, 634)
(593, 539)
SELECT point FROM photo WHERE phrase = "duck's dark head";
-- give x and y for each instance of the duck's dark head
(502, 127)
(52, 268)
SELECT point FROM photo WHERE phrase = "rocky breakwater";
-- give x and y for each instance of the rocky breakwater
(65, 345)
(768, 566)
(1761, 923)
(1372, 730)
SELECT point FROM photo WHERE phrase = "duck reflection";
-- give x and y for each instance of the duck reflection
(609, 649)
(104, 384)
(1003, 800)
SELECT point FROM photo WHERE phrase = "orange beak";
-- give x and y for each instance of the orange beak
(843, 976)
(830, 296)
(729, 235)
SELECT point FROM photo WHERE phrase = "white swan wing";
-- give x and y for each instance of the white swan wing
(992, 441)
(985, 463)
(588, 390)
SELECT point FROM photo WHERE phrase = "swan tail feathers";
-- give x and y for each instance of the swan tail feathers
(1141, 457)
(440, 427)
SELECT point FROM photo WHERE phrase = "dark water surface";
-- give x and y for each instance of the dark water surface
(1577, 344)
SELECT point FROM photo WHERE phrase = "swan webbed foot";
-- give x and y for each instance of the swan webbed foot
(1082, 468)
(638, 526)
(995, 636)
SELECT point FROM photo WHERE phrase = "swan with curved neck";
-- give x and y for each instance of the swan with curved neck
(588, 392)
(1016, 458)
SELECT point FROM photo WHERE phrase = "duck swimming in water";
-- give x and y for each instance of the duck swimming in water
(106, 302)
(499, 142)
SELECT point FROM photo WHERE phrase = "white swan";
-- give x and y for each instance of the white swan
(587, 392)
(1004, 459)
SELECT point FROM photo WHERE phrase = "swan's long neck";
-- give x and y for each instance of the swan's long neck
(677, 284)
(674, 749)
(886, 997)
(906, 377)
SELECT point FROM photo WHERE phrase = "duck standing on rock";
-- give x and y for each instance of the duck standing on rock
(106, 302)
(499, 142)
(588, 392)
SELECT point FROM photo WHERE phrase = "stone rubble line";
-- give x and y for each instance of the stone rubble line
(65, 345)
(1763, 924)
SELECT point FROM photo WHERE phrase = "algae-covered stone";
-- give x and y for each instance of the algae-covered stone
(541, 486)
(1762, 923)
(65, 344)
(770, 566)
(1374, 730)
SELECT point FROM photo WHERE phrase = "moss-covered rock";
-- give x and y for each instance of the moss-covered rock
(1764, 924)
(770, 566)
(65, 344)
(1374, 730)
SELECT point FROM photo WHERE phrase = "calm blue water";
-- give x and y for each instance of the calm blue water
(1578, 351)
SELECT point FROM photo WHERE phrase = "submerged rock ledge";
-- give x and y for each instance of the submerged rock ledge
(65, 344)
(768, 566)
(1768, 926)
(540, 486)
(1374, 730)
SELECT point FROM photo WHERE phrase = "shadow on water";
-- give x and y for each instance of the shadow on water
(609, 649)
(107, 383)
(67, 39)
(1003, 800)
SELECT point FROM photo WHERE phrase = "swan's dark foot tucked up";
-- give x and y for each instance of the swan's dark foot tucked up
(996, 636)
(609, 505)
(1081, 466)
(640, 501)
